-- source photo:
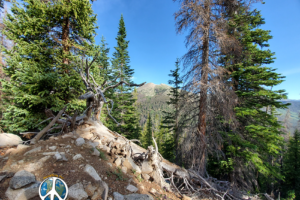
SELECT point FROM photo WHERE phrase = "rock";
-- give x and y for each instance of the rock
(67, 135)
(186, 198)
(2, 177)
(64, 158)
(21, 179)
(68, 146)
(79, 142)
(142, 187)
(22, 146)
(124, 170)
(23, 193)
(31, 167)
(20, 162)
(156, 177)
(109, 198)
(118, 161)
(109, 164)
(138, 197)
(145, 176)
(90, 190)
(92, 172)
(132, 188)
(9, 140)
(108, 150)
(118, 196)
(52, 148)
(153, 191)
(102, 190)
(58, 156)
(76, 191)
(77, 156)
(146, 167)
(94, 144)
(134, 166)
(96, 152)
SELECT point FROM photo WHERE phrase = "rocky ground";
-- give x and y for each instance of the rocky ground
(90, 170)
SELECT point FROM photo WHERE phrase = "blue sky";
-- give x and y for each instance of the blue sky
(154, 44)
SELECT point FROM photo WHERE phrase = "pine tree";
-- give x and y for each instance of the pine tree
(171, 119)
(124, 111)
(42, 65)
(147, 136)
(292, 166)
(258, 135)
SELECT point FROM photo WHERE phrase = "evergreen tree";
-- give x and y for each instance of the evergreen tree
(171, 119)
(41, 65)
(147, 136)
(124, 111)
(258, 135)
(292, 166)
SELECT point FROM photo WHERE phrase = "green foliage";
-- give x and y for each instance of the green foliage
(139, 178)
(38, 77)
(118, 173)
(102, 154)
(124, 110)
(291, 168)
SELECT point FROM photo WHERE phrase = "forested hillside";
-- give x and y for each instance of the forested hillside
(153, 99)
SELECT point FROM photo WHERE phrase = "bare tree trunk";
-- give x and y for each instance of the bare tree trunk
(203, 88)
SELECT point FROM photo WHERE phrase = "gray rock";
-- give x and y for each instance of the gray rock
(58, 156)
(52, 148)
(68, 146)
(118, 196)
(92, 172)
(131, 188)
(9, 140)
(21, 179)
(93, 144)
(77, 156)
(79, 142)
(33, 150)
(96, 152)
(20, 162)
(67, 135)
(23, 193)
(2, 177)
(109, 198)
(109, 164)
(138, 197)
(102, 190)
(134, 166)
(76, 191)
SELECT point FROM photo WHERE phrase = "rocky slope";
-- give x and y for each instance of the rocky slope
(90, 169)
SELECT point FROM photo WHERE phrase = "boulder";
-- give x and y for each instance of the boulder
(132, 188)
(96, 152)
(31, 167)
(146, 167)
(9, 140)
(21, 179)
(134, 166)
(79, 142)
(138, 197)
(118, 161)
(102, 191)
(23, 193)
(146, 177)
(76, 191)
(118, 196)
(92, 172)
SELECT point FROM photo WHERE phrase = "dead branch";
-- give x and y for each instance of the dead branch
(42, 132)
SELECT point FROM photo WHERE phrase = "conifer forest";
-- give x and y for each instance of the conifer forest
(222, 113)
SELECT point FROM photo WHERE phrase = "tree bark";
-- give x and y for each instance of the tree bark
(203, 88)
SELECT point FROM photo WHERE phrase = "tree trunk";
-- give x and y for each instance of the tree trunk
(203, 89)
(65, 38)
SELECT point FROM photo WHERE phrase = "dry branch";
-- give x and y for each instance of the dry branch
(42, 132)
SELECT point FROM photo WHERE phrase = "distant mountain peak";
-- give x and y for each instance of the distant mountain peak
(151, 89)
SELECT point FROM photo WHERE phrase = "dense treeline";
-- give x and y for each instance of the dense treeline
(219, 117)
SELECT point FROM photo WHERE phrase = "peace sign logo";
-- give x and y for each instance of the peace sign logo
(53, 188)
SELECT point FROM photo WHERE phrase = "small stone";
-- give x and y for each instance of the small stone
(109, 164)
(118, 161)
(142, 187)
(20, 162)
(145, 176)
(92, 172)
(77, 156)
(96, 152)
(76, 191)
(52, 148)
(72, 141)
(105, 178)
(153, 191)
(79, 142)
(124, 170)
(118, 196)
(2, 177)
(72, 171)
(132, 188)
(109, 198)
(186, 198)
(58, 156)
(138, 197)
(68, 146)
